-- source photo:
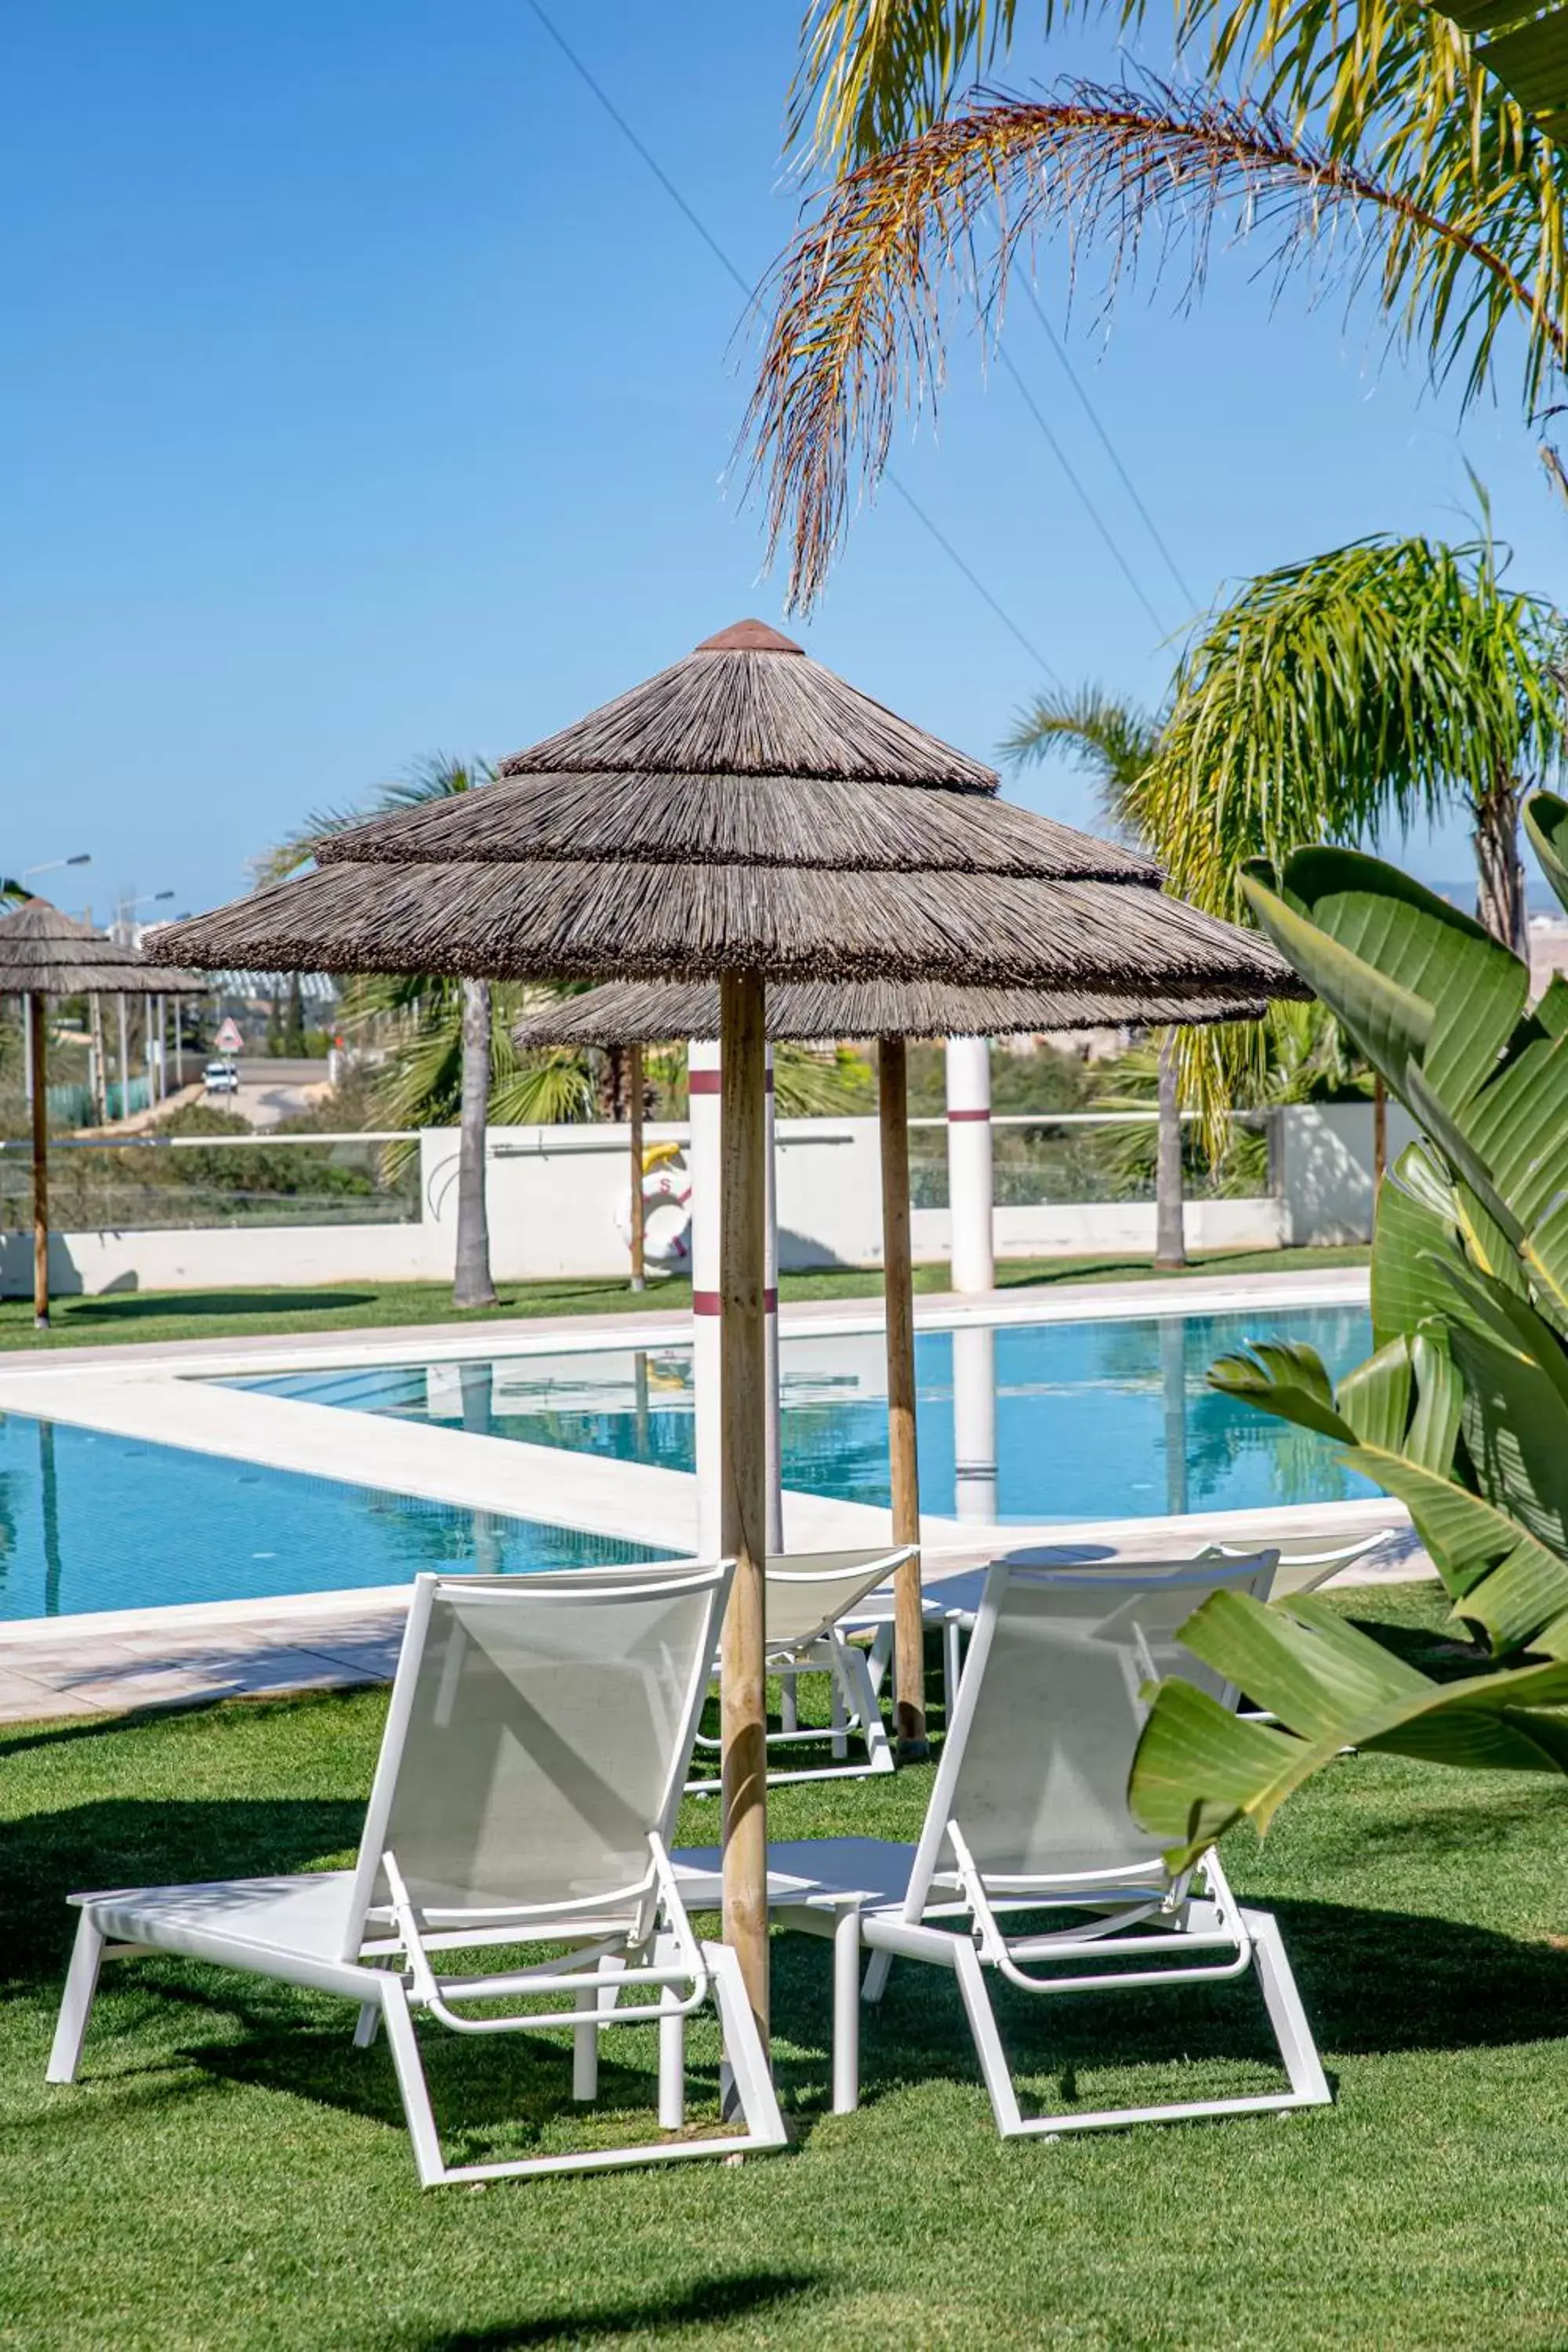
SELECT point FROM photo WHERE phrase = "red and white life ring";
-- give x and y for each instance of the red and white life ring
(665, 1211)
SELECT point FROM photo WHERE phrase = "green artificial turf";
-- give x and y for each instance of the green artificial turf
(117, 1318)
(230, 2171)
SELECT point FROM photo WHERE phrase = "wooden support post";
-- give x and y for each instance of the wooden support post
(635, 1090)
(897, 1282)
(38, 1072)
(743, 1525)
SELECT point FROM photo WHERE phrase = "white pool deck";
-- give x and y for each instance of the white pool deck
(107, 1663)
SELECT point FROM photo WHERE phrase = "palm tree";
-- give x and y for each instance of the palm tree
(1380, 148)
(1378, 684)
(1385, 682)
(1117, 743)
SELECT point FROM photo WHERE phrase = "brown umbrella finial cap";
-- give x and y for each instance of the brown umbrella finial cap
(749, 637)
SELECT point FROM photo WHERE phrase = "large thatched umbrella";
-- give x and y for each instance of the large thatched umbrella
(745, 817)
(43, 953)
(635, 1013)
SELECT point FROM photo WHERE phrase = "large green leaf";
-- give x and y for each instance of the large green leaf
(1198, 1769)
(1414, 1235)
(1374, 943)
(1287, 1379)
(1546, 823)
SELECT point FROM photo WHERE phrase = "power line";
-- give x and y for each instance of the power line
(696, 221)
(1071, 373)
(1096, 518)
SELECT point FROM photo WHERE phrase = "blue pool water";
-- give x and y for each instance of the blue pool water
(92, 1521)
(1106, 1420)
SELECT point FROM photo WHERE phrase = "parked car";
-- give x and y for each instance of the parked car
(221, 1079)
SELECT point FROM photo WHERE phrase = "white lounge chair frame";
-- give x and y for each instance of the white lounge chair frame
(939, 1905)
(806, 1595)
(438, 1848)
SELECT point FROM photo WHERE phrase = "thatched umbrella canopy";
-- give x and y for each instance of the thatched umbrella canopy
(635, 1013)
(45, 954)
(652, 1012)
(745, 817)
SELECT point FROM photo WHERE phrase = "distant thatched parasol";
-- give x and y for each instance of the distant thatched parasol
(45, 954)
(747, 817)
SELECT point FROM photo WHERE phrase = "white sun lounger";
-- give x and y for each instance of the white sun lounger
(809, 1601)
(538, 1735)
(1028, 1815)
(1305, 1562)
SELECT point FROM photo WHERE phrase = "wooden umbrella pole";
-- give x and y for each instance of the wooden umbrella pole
(897, 1282)
(635, 1087)
(38, 1072)
(743, 1525)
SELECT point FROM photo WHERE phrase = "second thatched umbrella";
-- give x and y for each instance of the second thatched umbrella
(635, 1013)
(45, 954)
(743, 817)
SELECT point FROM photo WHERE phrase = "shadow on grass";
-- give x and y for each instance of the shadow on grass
(711, 2304)
(139, 1307)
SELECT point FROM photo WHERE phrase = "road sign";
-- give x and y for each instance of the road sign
(228, 1039)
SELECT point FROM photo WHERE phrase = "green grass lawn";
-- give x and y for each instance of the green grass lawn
(164, 1315)
(231, 2172)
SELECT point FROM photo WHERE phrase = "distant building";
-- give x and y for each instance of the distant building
(1548, 950)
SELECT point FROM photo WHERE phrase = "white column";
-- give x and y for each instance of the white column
(702, 1070)
(974, 1422)
(969, 1162)
(124, 1059)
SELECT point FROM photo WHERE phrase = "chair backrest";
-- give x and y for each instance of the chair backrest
(1035, 1768)
(807, 1591)
(1308, 1561)
(540, 1728)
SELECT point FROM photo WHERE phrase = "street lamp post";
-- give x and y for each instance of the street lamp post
(123, 923)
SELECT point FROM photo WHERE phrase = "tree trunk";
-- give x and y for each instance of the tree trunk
(472, 1285)
(1170, 1235)
(1500, 886)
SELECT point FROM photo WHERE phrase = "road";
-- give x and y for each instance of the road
(271, 1091)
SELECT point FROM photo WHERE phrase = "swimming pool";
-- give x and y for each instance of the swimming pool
(1016, 1422)
(93, 1521)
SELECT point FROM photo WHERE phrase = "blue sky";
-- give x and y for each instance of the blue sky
(368, 397)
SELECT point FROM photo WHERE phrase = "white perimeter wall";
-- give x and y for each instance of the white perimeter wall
(554, 1195)
(1323, 1168)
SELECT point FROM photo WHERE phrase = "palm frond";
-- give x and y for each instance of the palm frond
(1111, 739)
(855, 335)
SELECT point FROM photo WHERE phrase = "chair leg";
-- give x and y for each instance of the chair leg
(879, 1658)
(367, 2025)
(994, 2068)
(745, 2057)
(789, 1707)
(862, 1696)
(76, 2003)
(837, 1719)
(875, 1980)
(847, 2010)
(1286, 2015)
(671, 2045)
(586, 2045)
(412, 2085)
